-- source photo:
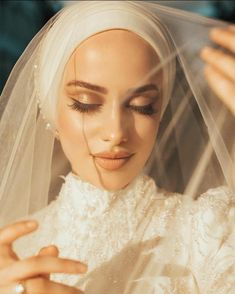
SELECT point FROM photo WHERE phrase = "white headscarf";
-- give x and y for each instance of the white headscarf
(194, 150)
(80, 21)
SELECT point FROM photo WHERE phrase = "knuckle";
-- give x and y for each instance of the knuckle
(10, 230)
(68, 265)
(7, 255)
(4, 250)
(34, 262)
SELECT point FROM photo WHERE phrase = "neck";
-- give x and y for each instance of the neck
(101, 185)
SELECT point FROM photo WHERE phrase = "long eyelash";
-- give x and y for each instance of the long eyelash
(83, 107)
(145, 110)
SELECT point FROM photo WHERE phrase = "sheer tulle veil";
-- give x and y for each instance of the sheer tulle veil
(192, 150)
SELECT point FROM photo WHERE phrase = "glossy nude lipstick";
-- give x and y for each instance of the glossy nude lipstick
(112, 160)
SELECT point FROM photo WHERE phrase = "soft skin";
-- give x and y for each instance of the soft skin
(118, 61)
(35, 271)
(118, 66)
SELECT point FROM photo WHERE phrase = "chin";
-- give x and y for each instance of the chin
(114, 182)
(108, 180)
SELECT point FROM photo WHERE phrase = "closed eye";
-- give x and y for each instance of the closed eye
(143, 104)
(148, 109)
(145, 110)
(84, 107)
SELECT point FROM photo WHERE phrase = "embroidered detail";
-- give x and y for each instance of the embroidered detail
(110, 231)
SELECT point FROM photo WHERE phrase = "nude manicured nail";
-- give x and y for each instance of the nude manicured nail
(205, 51)
(232, 28)
(31, 224)
(82, 267)
(216, 31)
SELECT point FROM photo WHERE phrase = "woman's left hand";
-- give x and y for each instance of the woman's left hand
(220, 66)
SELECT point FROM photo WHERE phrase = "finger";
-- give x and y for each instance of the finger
(7, 256)
(48, 251)
(223, 62)
(12, 232)
(222, 87)
(7, 252)
(224, 38)
(42, 286)
(232, 28)
(40, 265)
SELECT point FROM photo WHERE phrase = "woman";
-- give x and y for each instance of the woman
(120, 94)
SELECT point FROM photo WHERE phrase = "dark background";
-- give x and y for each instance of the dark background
(21, 20)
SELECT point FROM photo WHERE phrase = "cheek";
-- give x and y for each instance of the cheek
(69, 125)
(146, 129)
(70, 129)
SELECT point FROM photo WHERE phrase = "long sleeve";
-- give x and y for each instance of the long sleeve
(213, 241)
(197, 252)
(124, 245)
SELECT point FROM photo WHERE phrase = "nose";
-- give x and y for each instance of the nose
(115, 129)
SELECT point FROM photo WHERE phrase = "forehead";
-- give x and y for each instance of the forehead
(112, 58)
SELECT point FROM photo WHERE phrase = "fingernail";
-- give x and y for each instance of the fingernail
(231, 27)
(54, 247)
(216, 32)
(82, 267)
(31, 224)
(205, 51)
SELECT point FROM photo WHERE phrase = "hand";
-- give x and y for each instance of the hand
(220, 68)
(33, 272)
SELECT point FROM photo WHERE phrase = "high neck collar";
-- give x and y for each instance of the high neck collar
(90, 201)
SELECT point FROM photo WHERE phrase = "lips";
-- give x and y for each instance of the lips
(112, 161)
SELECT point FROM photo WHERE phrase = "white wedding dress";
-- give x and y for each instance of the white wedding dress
(110, 230)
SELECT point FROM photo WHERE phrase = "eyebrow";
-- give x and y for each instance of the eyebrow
(87, 86)
(96, 88)
(142, 89)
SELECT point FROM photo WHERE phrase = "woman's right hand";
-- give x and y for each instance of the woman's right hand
(32, 272)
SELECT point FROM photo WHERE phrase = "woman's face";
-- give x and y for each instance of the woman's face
(109, 112)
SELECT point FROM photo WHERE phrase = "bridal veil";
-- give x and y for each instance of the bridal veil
(193, 148)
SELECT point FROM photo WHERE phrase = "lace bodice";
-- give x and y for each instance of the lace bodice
(112, 231)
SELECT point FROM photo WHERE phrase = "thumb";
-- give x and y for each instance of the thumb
(51, 250)
(48, 251)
